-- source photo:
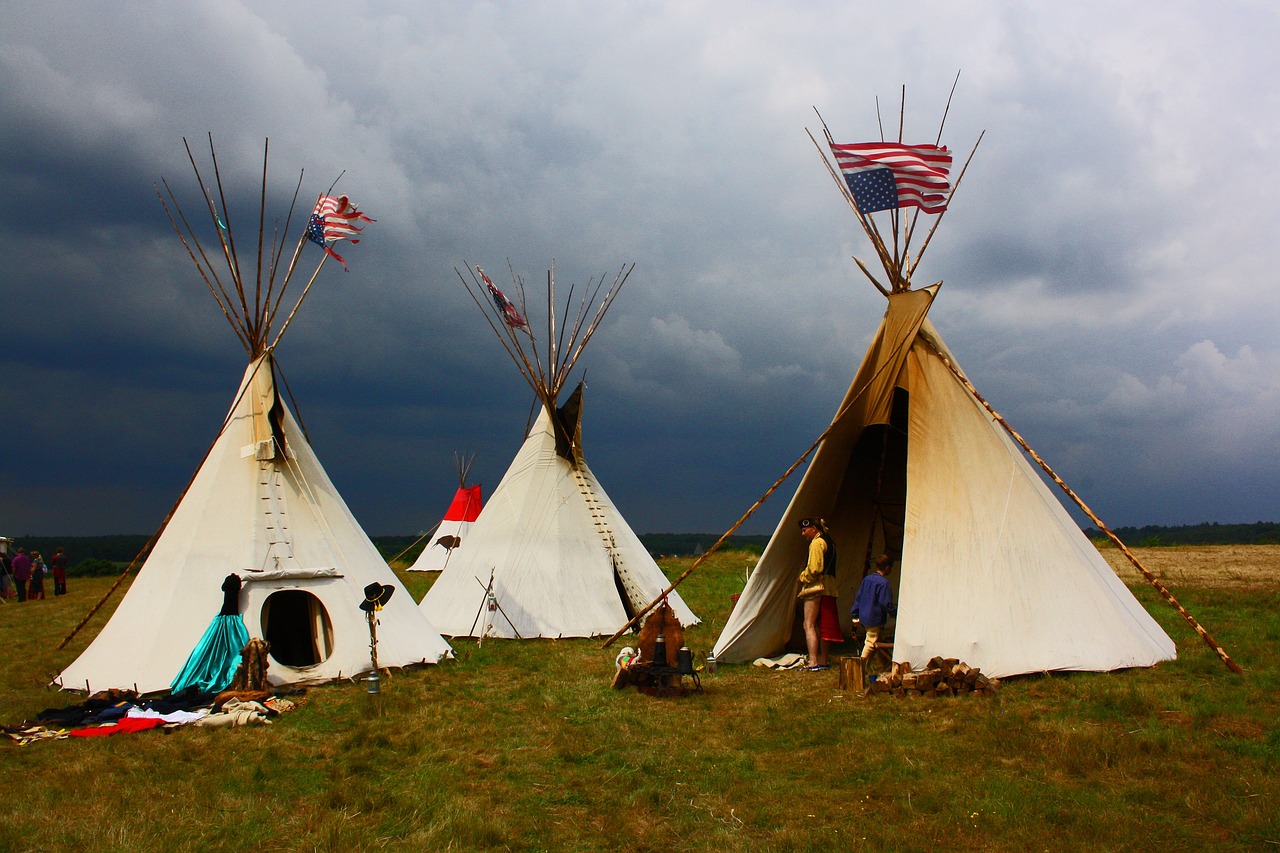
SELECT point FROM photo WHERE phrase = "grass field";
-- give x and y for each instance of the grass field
(524, 746)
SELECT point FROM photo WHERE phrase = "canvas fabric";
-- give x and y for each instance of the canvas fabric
(242, 513)
(994, 571)
(541, 538)
(457, 522)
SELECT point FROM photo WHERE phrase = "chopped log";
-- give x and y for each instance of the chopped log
(941, 677)
(853, 674)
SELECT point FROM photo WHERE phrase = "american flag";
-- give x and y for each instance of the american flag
(887, 175)
(335, 218)
(505, 308)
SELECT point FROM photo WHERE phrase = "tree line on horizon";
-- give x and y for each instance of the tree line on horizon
(91, 555)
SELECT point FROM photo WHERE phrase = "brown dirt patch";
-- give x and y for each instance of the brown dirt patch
(1215, 566)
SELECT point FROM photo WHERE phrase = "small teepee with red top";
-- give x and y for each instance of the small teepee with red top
(450, 534)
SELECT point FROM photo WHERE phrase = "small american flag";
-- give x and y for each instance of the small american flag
(505, 308)
(887, 175)
(335, 218)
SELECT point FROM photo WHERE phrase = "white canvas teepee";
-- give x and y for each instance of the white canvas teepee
(260, 506)
(993, 570)
(550, 556)
(449, 535)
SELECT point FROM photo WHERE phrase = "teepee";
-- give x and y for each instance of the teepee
(992, 569)
(260, 506)
(550, 556)
(452, 530)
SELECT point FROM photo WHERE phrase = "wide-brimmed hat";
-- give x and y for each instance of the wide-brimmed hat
(376, 595)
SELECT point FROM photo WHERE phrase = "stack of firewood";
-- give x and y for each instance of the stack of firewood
(940, 677)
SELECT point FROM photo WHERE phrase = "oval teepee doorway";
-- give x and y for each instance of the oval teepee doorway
(298, 627)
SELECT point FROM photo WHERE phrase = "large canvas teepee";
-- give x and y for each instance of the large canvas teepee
(550, 556)
(260, 506)
(453, 529)
(993, 570)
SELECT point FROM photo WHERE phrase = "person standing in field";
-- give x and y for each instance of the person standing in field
(21, 573)
(818, 592)
(38, 570)
(6, 572)
(59, 566)
(873, 605)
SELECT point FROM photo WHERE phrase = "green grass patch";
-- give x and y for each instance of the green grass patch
(524, 746)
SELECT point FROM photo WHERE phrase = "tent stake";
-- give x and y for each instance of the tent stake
(1146, 573)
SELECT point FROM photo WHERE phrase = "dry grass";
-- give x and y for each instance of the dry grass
(1239, 567)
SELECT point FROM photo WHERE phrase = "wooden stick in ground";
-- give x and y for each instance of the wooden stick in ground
(1146, 573)
(163, 524)
(415, 542)
(145, 549)
(662, 595)
(640, 615)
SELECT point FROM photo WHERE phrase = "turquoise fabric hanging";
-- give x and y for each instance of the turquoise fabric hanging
(212, 664)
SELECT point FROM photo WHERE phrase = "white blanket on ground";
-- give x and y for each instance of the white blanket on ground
(790, 660)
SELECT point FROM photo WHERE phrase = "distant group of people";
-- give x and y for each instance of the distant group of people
(872, 606)
(22, 575)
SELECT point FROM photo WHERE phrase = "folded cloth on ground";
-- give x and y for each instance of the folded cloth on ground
(126, 725)
(238, 713)
(790, 660)
(182, 717)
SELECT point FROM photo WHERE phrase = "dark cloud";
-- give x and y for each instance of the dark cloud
(1106, 286)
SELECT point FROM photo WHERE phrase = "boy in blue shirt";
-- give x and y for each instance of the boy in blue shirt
(873, 605)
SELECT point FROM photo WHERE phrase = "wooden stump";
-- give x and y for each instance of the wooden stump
(853, 675)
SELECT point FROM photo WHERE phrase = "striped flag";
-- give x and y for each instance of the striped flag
(335, 218)
(505, 308)
(888, 175)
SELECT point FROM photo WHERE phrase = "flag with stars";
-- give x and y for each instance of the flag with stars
(508, 311)
(335, 218)
(888, 175)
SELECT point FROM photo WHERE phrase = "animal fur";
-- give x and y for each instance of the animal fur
(661, 620)
(252, 672)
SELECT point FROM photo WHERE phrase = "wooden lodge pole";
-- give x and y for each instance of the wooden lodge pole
(1146, 573)
(755, 506)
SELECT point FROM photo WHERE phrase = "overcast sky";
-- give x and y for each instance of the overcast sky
(1108, 263)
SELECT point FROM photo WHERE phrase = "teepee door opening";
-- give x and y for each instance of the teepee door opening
(878, 471)
(868, 512)
(297, 626)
